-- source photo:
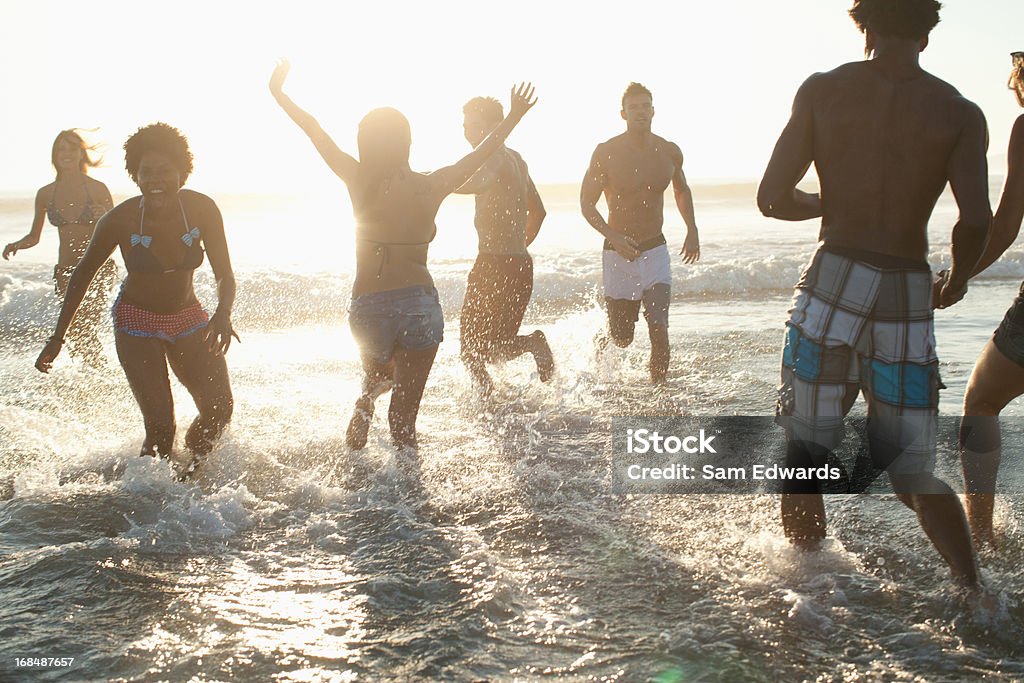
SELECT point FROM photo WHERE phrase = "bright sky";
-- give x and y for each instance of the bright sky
(723, 76)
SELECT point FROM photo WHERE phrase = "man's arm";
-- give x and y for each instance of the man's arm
(450, 178)
(590, 191)
(684, 202)
(1006, 224)
(968, 178)
(777, 196)
(535, 211)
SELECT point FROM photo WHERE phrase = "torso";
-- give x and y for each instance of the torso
(500, 218)
(73, 207)
(878, 194)
(635, 182)
(165, 284)
(394, 228)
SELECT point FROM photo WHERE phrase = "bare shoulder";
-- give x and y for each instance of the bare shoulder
(197, 200)
(95, 185)
(670, 148)
(1017, 134)
(123, 216)
(516, 157)
(45, 192)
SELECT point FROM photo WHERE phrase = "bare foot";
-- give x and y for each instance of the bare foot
(542, 355)
(359, 425)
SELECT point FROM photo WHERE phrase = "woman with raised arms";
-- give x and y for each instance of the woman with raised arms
(395, 315)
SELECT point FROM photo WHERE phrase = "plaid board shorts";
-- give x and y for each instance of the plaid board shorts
(857, 327)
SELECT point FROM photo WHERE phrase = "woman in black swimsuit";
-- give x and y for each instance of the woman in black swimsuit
(998, 375)
(73, 203)
(395, 315)
(157, 319)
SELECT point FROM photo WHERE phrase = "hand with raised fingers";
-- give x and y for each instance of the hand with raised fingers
(277, 78)
(218, 334)
(50, 352)
(522, 100)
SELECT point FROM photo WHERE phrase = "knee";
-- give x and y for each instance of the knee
(222, 409)
(470, 353)
(977, 404)
(621, 337)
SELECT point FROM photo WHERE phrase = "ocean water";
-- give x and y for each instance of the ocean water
(500, 552)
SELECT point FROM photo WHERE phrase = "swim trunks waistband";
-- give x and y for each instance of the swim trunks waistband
(649, 243)
(886, 261)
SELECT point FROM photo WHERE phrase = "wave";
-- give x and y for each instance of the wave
(274, 299)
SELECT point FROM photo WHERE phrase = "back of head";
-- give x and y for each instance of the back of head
(384, 139)
(488, 108)
(73, 138)
(906, 19)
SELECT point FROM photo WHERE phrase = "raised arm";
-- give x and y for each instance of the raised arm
(483, 179)
(590, 191)
(1006, 224)
(450, 178)
(219, 331)
(777, 196)
(968, 178)
(102, 244)
(684, 202)
(343, 165)
(35, 232)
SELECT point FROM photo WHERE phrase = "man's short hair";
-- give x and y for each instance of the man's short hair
(635, 89)
(909, 19)
(488, 107)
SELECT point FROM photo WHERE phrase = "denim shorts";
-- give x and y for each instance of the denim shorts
(410, 317)
(1009, 336)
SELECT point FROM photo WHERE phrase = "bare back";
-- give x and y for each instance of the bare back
(501, 208)
(884, 149)
(394, 228)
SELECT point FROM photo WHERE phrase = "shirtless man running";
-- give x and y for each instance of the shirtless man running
(633, 170)
(885, 136)
(509, 213)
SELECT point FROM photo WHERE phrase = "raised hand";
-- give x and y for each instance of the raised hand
(522, 99)
(280, 74)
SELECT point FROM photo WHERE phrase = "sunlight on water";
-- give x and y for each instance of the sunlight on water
(498, 552)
